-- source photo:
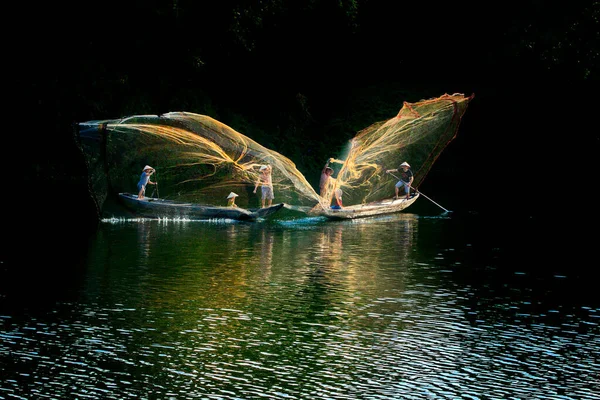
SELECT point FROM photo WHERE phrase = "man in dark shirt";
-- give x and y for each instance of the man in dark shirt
(406, 179)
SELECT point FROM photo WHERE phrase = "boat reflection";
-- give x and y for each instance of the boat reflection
(256, 266)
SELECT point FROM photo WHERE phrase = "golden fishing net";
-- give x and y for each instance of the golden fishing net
(199, 159)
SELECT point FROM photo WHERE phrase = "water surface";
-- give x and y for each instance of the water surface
(402, 306)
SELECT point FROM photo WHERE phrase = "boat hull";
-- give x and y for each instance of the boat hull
(387, 206)
(161, 208)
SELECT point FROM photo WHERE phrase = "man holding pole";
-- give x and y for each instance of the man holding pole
(406, 179)
(145, 180)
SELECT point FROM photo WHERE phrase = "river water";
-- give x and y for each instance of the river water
(405, 306)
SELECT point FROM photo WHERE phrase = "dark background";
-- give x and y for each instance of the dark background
(302, 77)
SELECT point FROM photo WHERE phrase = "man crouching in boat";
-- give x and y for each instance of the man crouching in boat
(337, 200)
(144, 180)
(231, 199)
(406, 179)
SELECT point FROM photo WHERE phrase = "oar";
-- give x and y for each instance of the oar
(421, 193)
(156, 185)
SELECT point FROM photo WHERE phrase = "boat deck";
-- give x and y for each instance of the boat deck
(386, 206)
(163, 208)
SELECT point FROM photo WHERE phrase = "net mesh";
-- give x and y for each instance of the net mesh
(199, 159)
(417, 135)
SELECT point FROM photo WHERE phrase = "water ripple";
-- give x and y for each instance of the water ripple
(299, 310)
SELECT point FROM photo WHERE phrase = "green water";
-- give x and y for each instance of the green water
(402, 306)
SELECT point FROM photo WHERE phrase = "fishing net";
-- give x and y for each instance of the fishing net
(199, 159)
(417, 135)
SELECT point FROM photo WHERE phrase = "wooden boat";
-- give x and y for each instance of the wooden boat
(162, 208)
(386, 206)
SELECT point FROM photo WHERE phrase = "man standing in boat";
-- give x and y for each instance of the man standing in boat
(325, 175)
(264, 179)
(406, 179)
(144, 180)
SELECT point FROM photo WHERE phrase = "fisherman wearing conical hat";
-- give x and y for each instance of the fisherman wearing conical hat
(406, 179)
(231, 199)
(144, 180)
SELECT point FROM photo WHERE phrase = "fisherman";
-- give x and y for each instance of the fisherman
(265, 179)
(325, 175)
(144, 180)
(406, 179)
(231, 199)
(338, 199)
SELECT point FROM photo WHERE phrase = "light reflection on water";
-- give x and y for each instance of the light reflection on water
(382, 308)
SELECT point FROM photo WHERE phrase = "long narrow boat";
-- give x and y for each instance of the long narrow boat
(386, 206)
(162, 208)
